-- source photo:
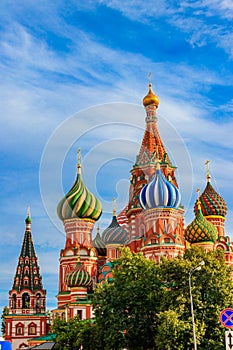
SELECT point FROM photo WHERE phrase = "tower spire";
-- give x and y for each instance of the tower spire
(198, 199)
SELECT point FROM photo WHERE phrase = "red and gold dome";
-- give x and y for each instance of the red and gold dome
(212, 204)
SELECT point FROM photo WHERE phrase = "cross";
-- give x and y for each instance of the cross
(149, 76)
(207, 166)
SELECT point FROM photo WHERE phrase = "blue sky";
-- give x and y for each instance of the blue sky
(73, 74)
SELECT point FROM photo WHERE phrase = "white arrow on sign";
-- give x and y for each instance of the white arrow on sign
(229, 340)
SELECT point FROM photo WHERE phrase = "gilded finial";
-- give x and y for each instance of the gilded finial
(29, 212)
(207, 170)
(78, 252)
(198, 199)
(114, 206)
(79, 161)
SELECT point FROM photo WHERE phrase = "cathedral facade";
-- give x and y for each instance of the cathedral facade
(152, 222)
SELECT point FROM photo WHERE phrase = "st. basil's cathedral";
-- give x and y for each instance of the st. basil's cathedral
(152, 223)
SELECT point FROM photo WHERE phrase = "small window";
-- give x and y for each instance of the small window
(32, 329)
(19, 329)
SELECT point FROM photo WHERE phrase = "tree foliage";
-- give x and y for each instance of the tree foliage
(147, 306)
(125, 309)
(75, 334)
(5, 312)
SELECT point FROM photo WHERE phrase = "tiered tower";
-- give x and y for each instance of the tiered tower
(27, 318)
(79, 210)
(152, 148)
(155, 226)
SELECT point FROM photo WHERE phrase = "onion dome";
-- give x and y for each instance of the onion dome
(79, 202)
(28, 220)
(200, 229)
(159, 193)
(150, 98)
(114, 233)
(79, 277)
(99, 244)
(211, 202)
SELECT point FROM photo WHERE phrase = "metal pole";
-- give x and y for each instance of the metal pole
(197, 268)
(192, 312)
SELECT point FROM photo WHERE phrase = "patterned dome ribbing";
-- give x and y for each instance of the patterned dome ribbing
(114, 233)
(79, 202)
(211, 202)
(200, 229)
(159, 193)
(99, 244)
(79, 277)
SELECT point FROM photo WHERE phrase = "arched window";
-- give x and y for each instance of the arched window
(38, 300)
(25, 301)
(26, 281)
(32, 329)
(19, 329)
(14, 301)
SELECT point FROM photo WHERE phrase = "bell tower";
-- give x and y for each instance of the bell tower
(27, 299)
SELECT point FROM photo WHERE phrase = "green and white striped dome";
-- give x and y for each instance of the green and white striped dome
(79, 202)
(79, 277)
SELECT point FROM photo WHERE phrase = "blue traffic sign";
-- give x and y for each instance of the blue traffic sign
(226, 318)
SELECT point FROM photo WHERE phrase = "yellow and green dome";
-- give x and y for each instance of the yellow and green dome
(79, 202)
(200, 229)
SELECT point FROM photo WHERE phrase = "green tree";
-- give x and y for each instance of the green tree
(147, 306)
(126, 309)
(212, 290)
(75, 334)
(5, 312)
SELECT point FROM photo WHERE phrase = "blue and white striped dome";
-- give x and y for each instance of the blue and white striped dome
(159, 193)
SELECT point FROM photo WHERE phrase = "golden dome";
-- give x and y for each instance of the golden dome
(150, 98)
